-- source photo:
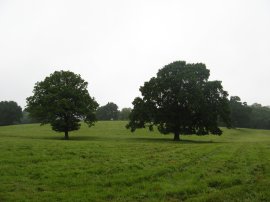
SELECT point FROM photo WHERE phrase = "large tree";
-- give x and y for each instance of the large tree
(108, 112)
(181, 100)
(10, 113)
(62, 100)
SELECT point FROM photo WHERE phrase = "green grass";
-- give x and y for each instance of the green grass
(107, 162)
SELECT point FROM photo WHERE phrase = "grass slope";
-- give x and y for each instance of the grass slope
(107, 162)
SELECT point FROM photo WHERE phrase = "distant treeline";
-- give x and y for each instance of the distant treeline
(107, 112)
(249, 116)
(242, 115)
(110, 112)
(26, 119)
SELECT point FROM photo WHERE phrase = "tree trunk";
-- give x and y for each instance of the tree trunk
(176, 136)
(66, 135)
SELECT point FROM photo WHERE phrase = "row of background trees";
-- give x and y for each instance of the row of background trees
(110, 112)
(249, 116)
(11, 113)
(242, 115)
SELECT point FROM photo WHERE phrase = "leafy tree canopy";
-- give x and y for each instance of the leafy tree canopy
(108, 112)
(62, 100)
(181, 100)
(10, 113)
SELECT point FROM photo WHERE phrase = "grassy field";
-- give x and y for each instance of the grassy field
(107, 162)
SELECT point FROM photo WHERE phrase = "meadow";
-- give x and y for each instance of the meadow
(109, 163)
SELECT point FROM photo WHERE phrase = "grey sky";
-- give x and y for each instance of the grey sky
(117, 45)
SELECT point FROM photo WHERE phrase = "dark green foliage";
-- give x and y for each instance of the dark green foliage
(240, 113)
(10, 113)
(181, 100)
(108, 112)
(62, 100)
(244, 116)
(124, 113)
(260, 117)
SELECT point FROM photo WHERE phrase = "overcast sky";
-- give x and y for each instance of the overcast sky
(118, 45)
